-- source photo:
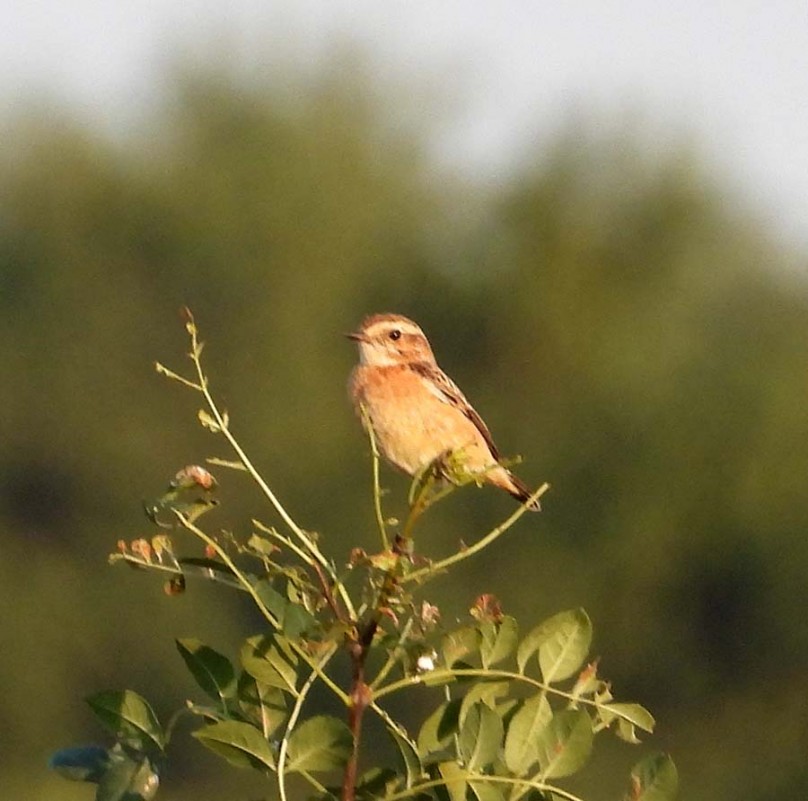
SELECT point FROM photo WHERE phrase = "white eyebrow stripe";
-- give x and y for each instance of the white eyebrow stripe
(389, 325)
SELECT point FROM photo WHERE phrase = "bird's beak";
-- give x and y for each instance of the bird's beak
(357, 336)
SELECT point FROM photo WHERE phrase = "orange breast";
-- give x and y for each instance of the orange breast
(413, 426)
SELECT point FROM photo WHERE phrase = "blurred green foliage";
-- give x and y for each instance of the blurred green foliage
(617, 319)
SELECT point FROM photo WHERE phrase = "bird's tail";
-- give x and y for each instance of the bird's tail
(516, 487)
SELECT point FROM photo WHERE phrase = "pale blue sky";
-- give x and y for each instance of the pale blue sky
(733, 75)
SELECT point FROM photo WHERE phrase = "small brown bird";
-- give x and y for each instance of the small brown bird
(417, 412)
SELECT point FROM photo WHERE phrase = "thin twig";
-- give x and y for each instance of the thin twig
(225, 557)
(163, 370)
(392, 657)
(318, 786)
(248, 586)
(329, 596)
(295, 714)
(285, 541)
(377, 492)
(490, 673)
(361, 694)
(480, 544)
(223, 427)
(323, 579)
(483, 778)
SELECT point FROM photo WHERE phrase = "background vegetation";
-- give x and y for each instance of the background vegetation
(617, 318)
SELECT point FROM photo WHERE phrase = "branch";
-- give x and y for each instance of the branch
(273, 621)
(225, 557)
(222, 426)
(294, 715)
(326, 587)
(480, 544)
(377, 493)
(392, 657)
(485, 779)
(436, 676)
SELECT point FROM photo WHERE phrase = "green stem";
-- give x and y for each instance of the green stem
(377, 492)
(285, 541)
(295, 714)
(416, 510)
(392, 658)
(179, 570)
(424, 480)
(172, 722)
(223, 555)
(256, 476)
(490, 673)
(482, 778)
(442, 564)
(321, 788)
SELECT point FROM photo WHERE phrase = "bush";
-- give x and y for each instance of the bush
(511, 716)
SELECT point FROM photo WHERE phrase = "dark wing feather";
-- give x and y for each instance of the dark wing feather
(446, 390)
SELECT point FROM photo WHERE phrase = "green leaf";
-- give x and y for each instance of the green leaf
(413, 769)
(129, 717)
(262, 545)
(263, 705)
(480, 737)
(486, 791)
(439, 728)
(454, 777)
(565, 743)
(211, 714)
(635, 714)
(270, 660)
(128, 779)
(459, 643)
(507, 709)
(562, 642)
(192, 510)
(214, 565)
(272, 599)
(486, 691)
(298, 622)
(212, 670)
(654, 778)
(320, 743)
(294, 619)
(376, 783)
(241, 744)
(497, 640)
(208, 421)
(627, 731)
(522, 740)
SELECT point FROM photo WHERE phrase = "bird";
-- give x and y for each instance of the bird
(418, 414)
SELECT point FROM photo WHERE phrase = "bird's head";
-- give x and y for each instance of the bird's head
(390, 339)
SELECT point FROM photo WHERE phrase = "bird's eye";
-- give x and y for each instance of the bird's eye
(396, 334)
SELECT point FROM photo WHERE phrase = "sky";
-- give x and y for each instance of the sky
(730, 76)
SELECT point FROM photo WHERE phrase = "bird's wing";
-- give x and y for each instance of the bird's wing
(442, 387)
